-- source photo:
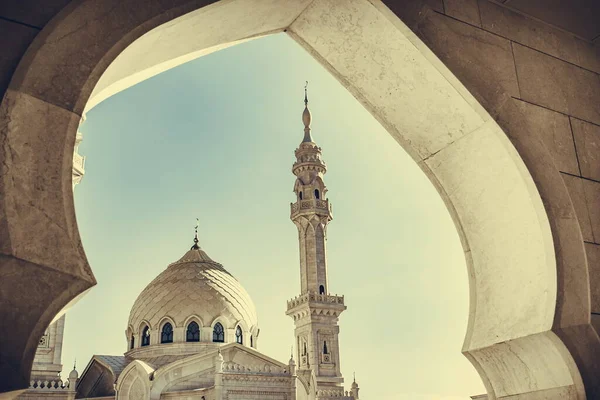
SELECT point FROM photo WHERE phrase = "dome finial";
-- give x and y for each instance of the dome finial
(195, 246)
(306, 117)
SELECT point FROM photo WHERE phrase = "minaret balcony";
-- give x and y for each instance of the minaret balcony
(312, 206)
(315, 300)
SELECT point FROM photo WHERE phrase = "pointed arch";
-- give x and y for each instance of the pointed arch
(166, 333)
(218, 333)
(193, 332)
(194, 317)
(145, 336)
(239, 335)
(143, 324)
(134, 381)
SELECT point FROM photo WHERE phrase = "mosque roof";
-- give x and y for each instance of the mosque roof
(197, 287)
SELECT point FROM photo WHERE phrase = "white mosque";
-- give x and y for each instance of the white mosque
(193, 331)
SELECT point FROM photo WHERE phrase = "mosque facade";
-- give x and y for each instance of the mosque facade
(193, 332)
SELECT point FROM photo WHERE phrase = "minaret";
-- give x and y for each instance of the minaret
(315, 311)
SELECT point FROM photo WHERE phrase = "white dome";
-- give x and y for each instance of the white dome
(193, 287)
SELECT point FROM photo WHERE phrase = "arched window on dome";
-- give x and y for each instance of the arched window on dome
(131, 342)
(193, 332)
(218, 333)
(239, 336)
(317, 194)
(146, 336)
(166, 335)
(251, 341)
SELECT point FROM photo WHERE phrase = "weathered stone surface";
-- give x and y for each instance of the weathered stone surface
(69, 84)
(572, 306)
(31, 12)
(31, 295)
(593, 257)
(411, 12)
(474, 56)
(387, 73)
(592, 198)
(464, 10)
(14, 40)
(555, 132)
(576, 191)
(193, 35)
(587, 140)
(37, 191)
(517, 357)
(458, 166)
(577, 16)
(43, 267)
(558, 85)
(527, 31)
(588, 55)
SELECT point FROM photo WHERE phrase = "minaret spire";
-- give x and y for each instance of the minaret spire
(195, 246)
(306, 117)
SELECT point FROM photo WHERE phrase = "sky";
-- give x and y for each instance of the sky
(214, 139)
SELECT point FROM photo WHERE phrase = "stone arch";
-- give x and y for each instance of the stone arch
(179, 371)
(134, 382)
(129, 333)
(529, 327)
(166, 319)
(143, 324)
(226, 322)
(192, 318)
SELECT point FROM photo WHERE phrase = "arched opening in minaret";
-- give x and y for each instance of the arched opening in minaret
(317, 196)
(321, 289)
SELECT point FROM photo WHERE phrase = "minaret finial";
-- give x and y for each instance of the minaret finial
(305, 95)
(306, 117)
(354, 373)
(195, 246)
(74, 363)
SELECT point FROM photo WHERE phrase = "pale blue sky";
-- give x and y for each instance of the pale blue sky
(215, 139)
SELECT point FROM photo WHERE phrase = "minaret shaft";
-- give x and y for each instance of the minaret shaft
(315, 311)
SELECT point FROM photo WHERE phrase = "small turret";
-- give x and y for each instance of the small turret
(292, 363)
(354, 388)
(73, 377)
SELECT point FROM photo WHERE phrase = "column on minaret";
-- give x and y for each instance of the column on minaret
(315, 311)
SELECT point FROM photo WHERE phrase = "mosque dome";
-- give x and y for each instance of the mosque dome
(193, 289)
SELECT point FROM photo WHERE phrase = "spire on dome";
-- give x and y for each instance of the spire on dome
(306, 117)
(195, 246)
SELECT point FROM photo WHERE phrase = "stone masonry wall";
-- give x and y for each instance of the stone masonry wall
(552, 75)
(515, 63)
